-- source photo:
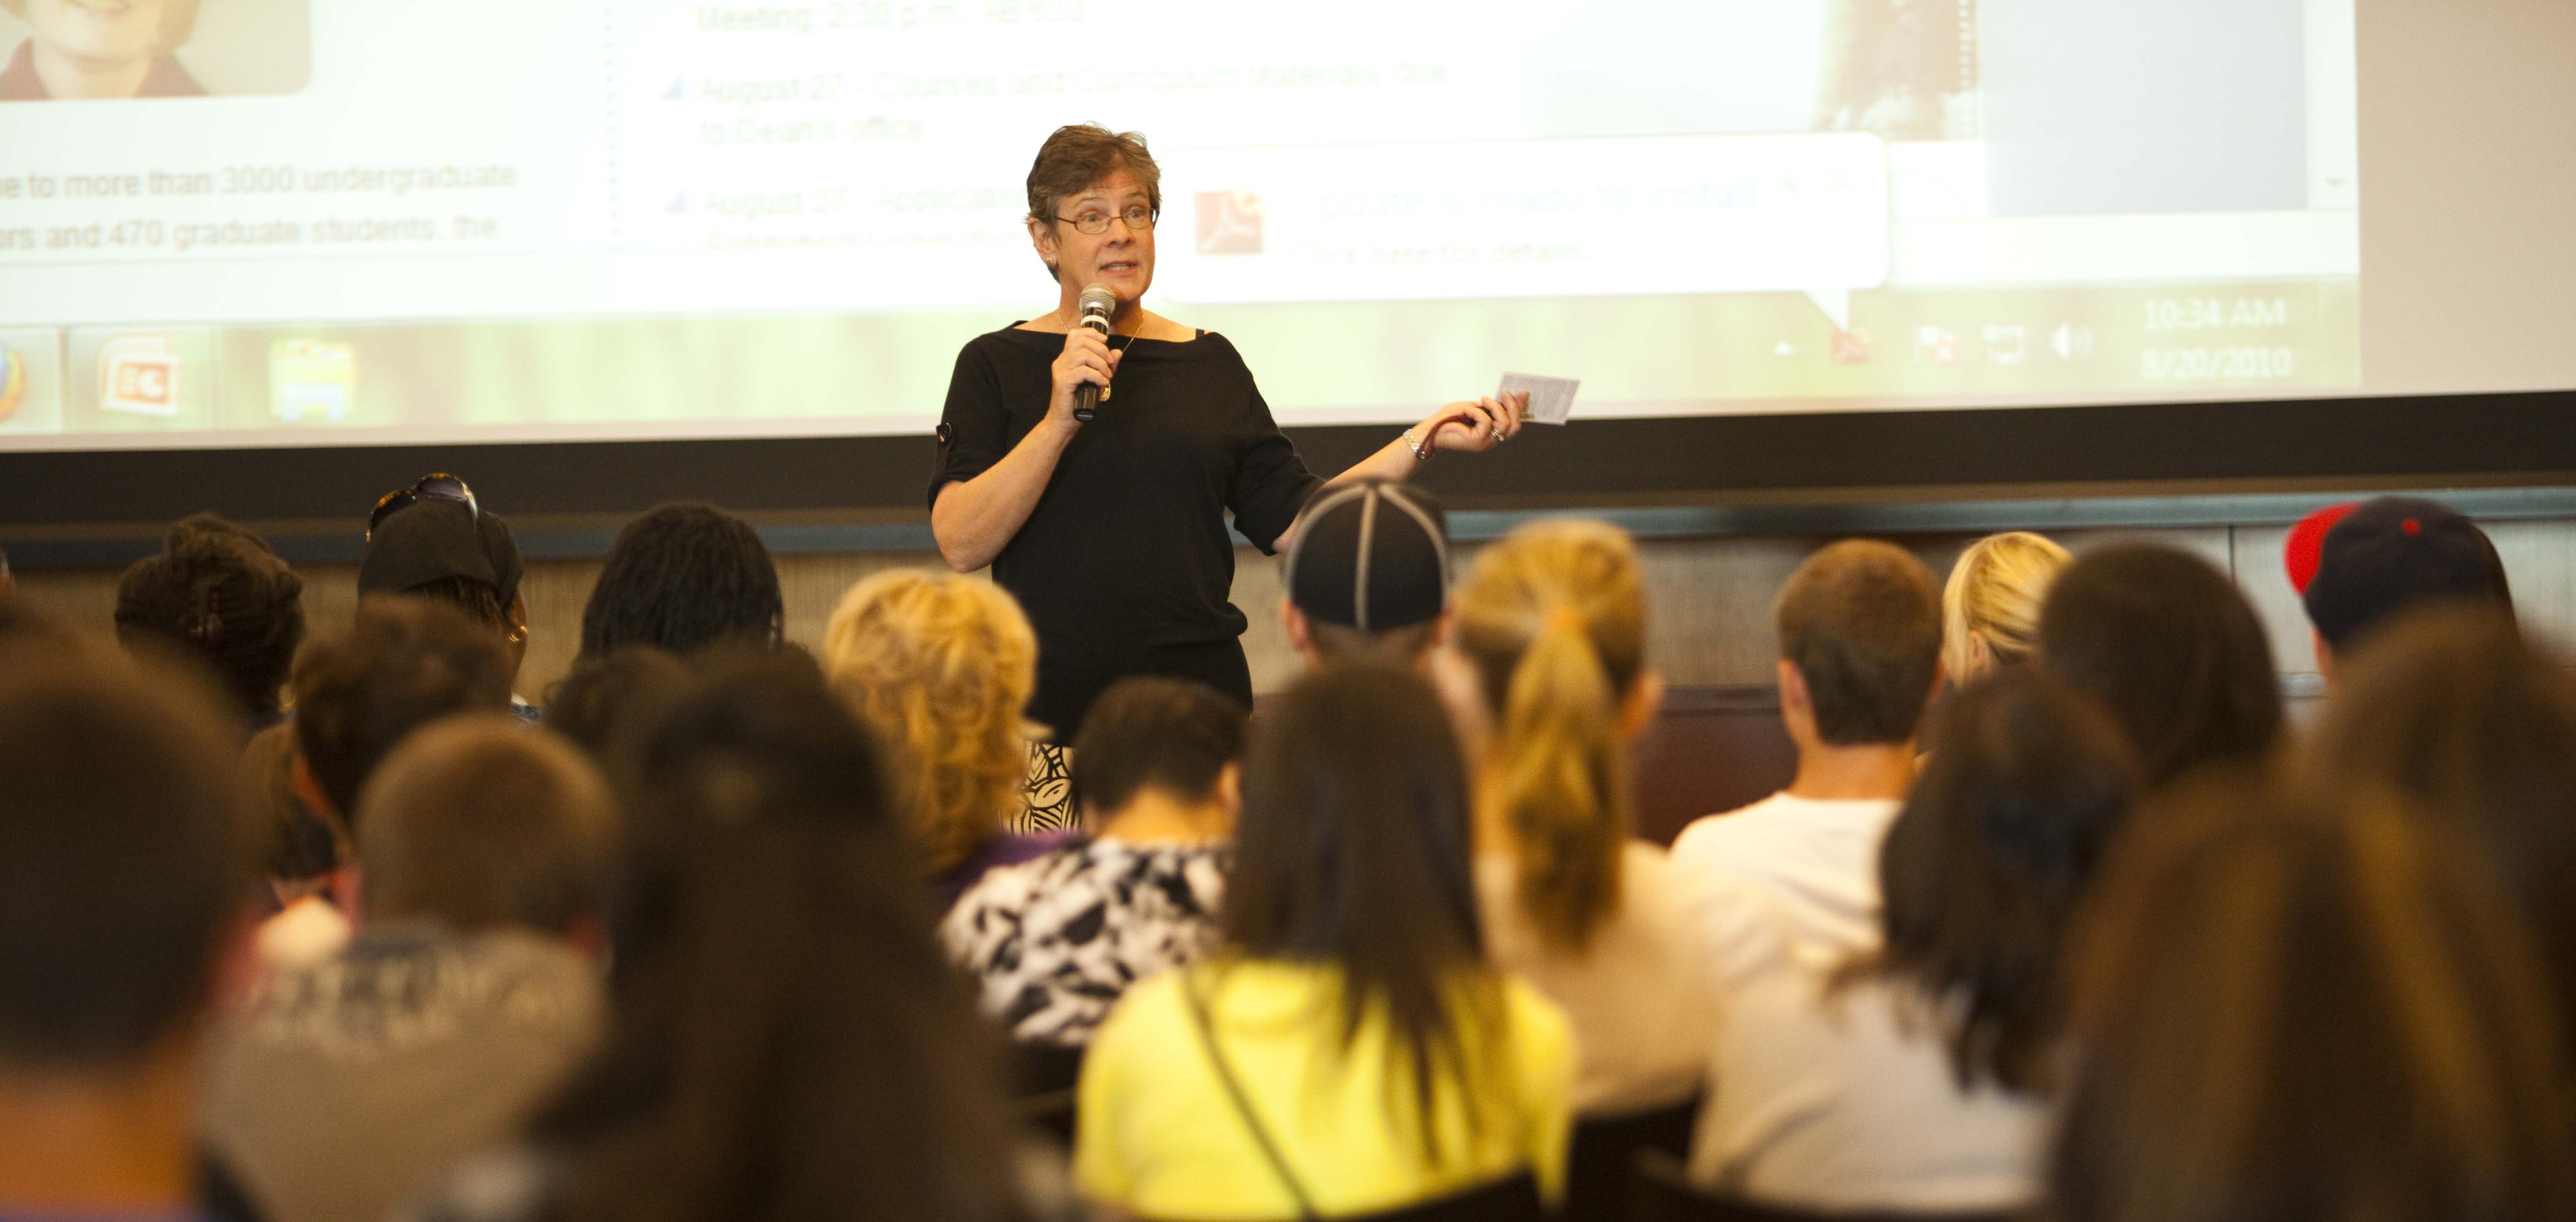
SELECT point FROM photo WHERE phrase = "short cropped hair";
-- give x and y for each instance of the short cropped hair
(178, 20)
(404, 663)
(1080, 154)
(127, 847)
(1167, 734)
(483, 823)
(1861, 620)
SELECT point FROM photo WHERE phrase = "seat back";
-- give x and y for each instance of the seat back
(1513, 1198)
(1665, 1194)
(1605, 1148)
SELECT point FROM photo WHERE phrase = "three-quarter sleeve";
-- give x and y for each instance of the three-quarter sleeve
(974, 427)
(1271, 483)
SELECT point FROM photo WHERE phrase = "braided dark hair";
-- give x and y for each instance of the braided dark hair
(218, 591)
(682, 577)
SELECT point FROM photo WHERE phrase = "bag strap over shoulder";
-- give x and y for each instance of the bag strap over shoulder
(1242, 1102)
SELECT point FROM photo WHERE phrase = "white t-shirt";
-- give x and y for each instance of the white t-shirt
(1826, 1098)
(1639, 996)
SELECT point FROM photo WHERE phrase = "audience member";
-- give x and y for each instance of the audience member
(469, 995)
(1990, 606)
(1860, 659)
(126, 870)
(404, 663)
(218, 593)
(2476, 726)
(2166, 643)
(2390, 554)
(680, 578)
(311, 880)
(942, 667)
(1552, 620)
(8, 580)
(2315, 1013)
(440, 545)
(607, 696)
(1056, 940)
(1367, 574)
(789, 1041)
(1351, 1050)
(1912, 1078)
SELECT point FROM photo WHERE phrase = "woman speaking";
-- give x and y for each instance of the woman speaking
(1112, 533)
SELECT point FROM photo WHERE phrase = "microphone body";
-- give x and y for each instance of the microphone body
(1095, 304)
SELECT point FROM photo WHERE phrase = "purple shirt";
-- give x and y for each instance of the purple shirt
(1004, 849)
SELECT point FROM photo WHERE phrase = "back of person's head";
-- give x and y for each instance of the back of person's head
(1352, 851)
(683, 577)
(446, 551)
(791, 1043)
(2310, 1008)
(218, 592)
(2393, 553)
(2476, 725)
(484, 823)
(127, 856)
(1554, 620)
(1861, 622)
(1369, 571)
(606, 696)
(2168, 645)
(942, 668)
(1155, 733)
(1990, 606)
(2026, 789)
(297, 846)
(404, 663)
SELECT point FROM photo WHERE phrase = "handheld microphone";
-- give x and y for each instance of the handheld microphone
(1094, 305)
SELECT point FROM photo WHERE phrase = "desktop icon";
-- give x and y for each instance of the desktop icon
(1229, 223)
(2006, 343)
(1935, 346)
(308, 378)
(139, 374)
(13, 381)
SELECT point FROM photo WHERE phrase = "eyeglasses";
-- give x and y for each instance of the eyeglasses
(1139, 218)
(434, 487)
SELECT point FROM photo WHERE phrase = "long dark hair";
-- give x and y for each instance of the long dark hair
(791, 1042)
(683, 577)
(2027, 787)
(2168, 645)
(2475, 724)
(1352, 852)
(220, 593)
(2308, 1006)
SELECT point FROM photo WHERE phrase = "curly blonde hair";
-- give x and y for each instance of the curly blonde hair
(941, 667)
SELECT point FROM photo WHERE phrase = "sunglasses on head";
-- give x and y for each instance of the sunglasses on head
(436, 487)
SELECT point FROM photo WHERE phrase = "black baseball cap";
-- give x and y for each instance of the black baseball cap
(1371, 555)
(2393, 553)
(433, 540)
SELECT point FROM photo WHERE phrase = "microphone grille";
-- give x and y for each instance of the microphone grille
(1097, 299)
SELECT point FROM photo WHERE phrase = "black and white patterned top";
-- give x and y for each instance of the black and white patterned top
(1055, 941)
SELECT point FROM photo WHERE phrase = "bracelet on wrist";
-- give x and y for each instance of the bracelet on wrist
(1422, 450)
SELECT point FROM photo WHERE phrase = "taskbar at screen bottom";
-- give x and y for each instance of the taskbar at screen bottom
(185, 386)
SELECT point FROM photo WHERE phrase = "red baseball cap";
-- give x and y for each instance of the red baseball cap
(2307, 543)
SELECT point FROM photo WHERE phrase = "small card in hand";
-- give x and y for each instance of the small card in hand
(1551, 400)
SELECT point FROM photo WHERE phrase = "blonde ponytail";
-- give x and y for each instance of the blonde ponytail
(1553, 618)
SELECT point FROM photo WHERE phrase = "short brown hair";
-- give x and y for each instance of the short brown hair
(1153, 732)
(127, 849)
(1861, 620)
(178, 20)
(1080, 154)
(405, 662)
(484, 823)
